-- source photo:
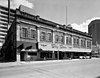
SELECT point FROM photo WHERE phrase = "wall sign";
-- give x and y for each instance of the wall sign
(52, 47)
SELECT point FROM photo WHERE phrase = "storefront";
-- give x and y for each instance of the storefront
(53, 51)
(26, 51)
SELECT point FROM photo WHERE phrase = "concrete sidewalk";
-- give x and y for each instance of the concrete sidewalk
(11, 64)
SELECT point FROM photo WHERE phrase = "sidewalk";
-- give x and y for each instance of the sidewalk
(11, 64)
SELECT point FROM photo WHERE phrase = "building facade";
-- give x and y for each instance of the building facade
(33, 38)
(94, 30)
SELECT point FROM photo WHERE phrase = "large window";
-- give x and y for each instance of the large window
(48, 37)
(62, 39)
(76, 42)
(88, 44)
(83, 43)
(43, 36)
(56, 38)
(24, 32)
(33, 34)
(68, 40)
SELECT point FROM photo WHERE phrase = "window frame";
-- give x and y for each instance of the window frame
(31, 33)
(44, 36)
(22, 35)
(89, 44)
(76, 41)
(61, 39)
(68, 40)
(56, 40)
(49, 37)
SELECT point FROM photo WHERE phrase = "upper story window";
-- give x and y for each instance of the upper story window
(76, 42)
(43, 36)
(89, 44)
(48, 37)
(83, 43)
(61, 39)
(33, 34)
(69, 40)
(24, 32)
(56, 38)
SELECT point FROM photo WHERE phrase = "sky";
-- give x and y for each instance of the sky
(78, 13)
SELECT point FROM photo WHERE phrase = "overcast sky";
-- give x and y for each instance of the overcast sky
(79, 13)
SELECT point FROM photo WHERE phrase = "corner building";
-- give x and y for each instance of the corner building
(33, 38)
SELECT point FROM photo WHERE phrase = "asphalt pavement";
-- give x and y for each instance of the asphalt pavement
(79, 68)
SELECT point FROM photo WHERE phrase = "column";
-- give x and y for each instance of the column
(38, 55)
(38, 34)
(18, 55)
(65, 38)
(38, 40)
(53, 34)
(58, 54)
(53, 55)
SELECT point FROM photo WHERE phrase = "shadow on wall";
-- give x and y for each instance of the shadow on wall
(98, 77)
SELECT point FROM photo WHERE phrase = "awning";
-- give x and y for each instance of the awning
(26, 45)
(20, 46)
(30, 50)
(29, 47)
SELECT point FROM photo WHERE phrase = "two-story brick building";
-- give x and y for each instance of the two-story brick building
(33, 38)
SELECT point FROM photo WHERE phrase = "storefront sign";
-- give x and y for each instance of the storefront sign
(44, 45)
(63, 47)
(60, 47)
(52, 47)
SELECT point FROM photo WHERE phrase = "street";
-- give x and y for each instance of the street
(82, 68)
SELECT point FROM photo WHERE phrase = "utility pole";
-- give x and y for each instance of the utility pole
(66, 15)
(8, 13)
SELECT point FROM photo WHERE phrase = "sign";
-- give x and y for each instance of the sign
(53, 47)
(60, 47)
(63, 47)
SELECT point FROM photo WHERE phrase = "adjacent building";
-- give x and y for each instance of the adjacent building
(4, 22)
(31, 37)
(94, 30)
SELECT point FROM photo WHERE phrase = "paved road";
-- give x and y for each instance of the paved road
(87, 68)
